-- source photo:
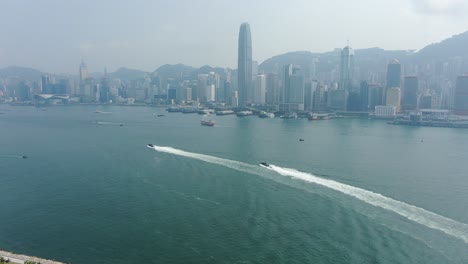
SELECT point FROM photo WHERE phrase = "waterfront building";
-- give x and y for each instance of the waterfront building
(394, 97)
(293, 89)
(309, 93)
(244, 65)
(235, 99)
(385, 111)
(83, 71)
(364, 95)
(260, 90)
(427, 102)
(346, 75)
(336, 100)
(353, 103)
(201, 89)
(393, 75)
(346, 69)
(461, 96)
(272, 89)
(45, 84)
(410, 93)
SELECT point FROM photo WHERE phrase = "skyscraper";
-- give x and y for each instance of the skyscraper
(364, 94)
(394, 97)
(346, 69)
(461, 96)
(45, 84)
(394, 74)
(272, 89)
(410, 93)
(293, 89)
(244, 65)
(83, 71)
(260, 89)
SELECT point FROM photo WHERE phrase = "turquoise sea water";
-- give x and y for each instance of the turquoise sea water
(90, 190)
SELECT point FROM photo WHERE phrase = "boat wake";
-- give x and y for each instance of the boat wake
(12, 156)
(416, 214)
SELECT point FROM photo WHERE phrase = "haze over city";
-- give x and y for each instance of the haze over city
(53, 36)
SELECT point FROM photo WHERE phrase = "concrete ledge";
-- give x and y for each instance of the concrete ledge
(20, 259)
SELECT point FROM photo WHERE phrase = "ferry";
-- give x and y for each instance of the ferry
(174, 109)
(189, 110)
(244, 113)
(224, 112)
(264, 114)
(207, 123)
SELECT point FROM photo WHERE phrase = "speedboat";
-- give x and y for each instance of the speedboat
(207, 123)
(265, 165)
(150, 146)
(24, 157)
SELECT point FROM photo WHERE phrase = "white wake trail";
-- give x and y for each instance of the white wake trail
(411, 212)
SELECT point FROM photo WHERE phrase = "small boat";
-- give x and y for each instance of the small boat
(301, 139)
(159, 115)
(265, 165)
(24, 157)
(244, 113)
(207, 123)
(264, 114)
(150, 146)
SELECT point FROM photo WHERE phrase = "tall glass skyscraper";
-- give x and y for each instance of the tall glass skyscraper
(244, 65)
(394, 74)
(346, 69)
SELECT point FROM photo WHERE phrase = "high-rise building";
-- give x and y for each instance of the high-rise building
(346, 69)
(394, 97)
(45, 84)
(244, 65)
(427, 102)
(293, 89)
(272, 89)
(201, 89)
(461, 96)
(410, 93)
(394, 74)
(83, 71)
(364, 94)
(260, 90)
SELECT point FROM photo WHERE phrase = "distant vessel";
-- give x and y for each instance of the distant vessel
(244, 113)
(205, 111)
(160, 115)
(24, 157)
(301, 139)
(264, 114)
(150, 146)
(207, 123)
(174, 109)
(189, 110)
(224, 112)
(292, 115)
(265, 165)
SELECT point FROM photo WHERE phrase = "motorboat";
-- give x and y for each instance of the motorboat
(207, 123)
(150, 146)
(265, 165)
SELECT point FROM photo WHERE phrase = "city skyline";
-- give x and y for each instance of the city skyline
(106, 35)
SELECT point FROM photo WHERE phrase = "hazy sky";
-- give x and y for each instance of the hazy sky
(53, 35)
